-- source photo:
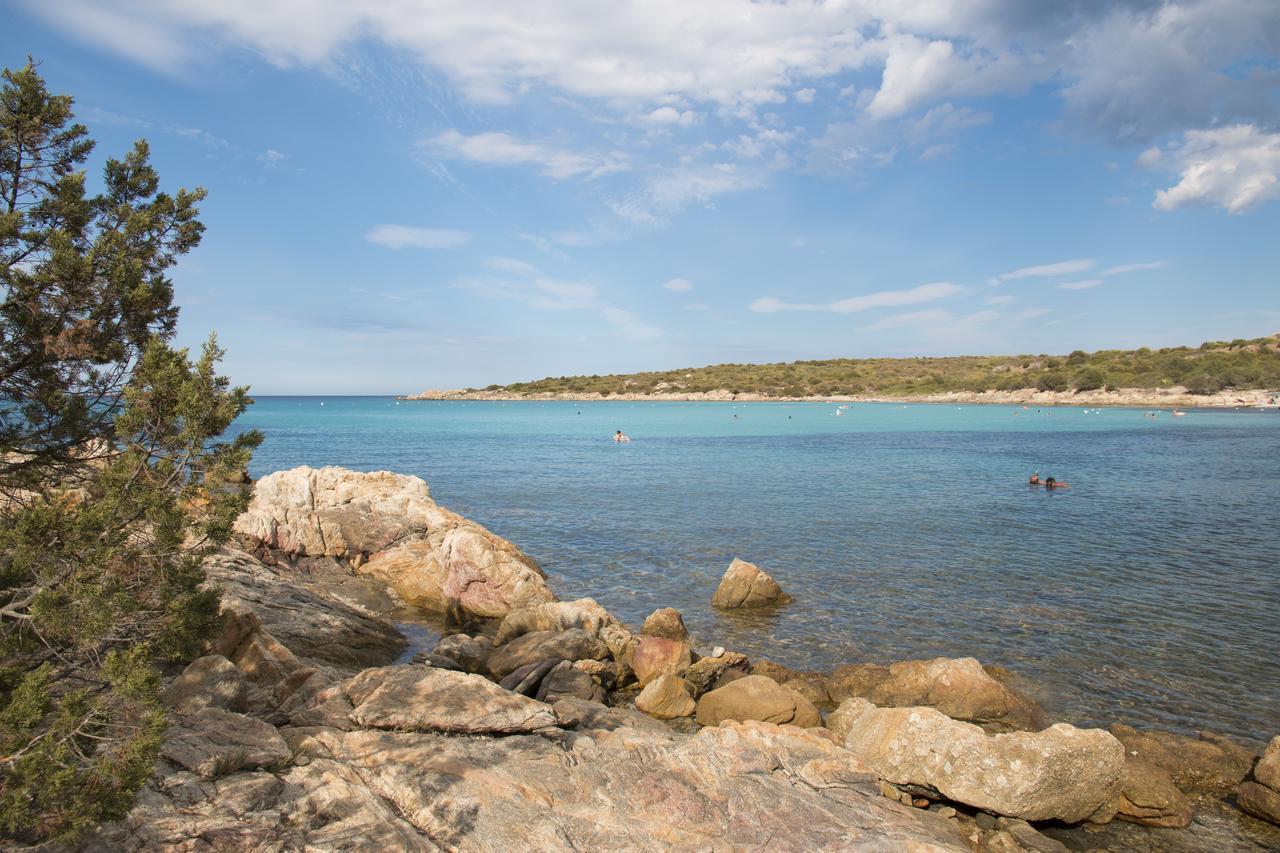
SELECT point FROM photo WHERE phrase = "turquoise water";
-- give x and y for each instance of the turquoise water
(1148, 592)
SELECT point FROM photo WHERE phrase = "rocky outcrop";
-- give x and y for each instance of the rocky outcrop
(745, 585)
(208, 682)
(212, 742)
(958, 687)
(584, 613)
(311, 627)
(387, 526)
(716, 670)
(1061, 773)
(756, 698)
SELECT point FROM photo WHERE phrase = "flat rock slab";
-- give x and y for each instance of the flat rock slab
(741, 787)
(1061, 773)
(213, 742)
(423, 698)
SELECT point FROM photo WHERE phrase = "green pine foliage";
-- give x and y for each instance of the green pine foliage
(1214, 366)
(115, 478)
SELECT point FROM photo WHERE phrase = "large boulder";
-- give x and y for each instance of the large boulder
(1061, 773)
(423, 698)
(666, 698)
(756, 698)
(665, 622)
(584, 613)
(959, 688)
(387, 526)
(571, 645)
(656, 656)
(745, 585)
(1267, 770)
(1209, 762)
(314, 628)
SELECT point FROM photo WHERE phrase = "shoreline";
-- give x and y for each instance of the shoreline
(1175, 397)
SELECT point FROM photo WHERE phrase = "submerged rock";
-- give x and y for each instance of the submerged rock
(1149, 797)
(1209, 762)
(756, 698)
(745, 585)
(1061, 773)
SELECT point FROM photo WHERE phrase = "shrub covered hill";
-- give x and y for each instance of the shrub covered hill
(1212, 367)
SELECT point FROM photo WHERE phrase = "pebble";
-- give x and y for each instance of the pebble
(985, 821)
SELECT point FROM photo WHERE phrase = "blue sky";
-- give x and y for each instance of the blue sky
(443, 194)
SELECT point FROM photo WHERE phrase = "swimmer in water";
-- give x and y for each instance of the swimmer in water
(621, 437)
(1051, 484)
(1035, 479)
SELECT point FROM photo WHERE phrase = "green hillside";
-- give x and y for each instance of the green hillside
(1213, 366)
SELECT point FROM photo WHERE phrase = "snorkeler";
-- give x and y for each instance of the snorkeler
(1050, 483)
(1035, 478)
(620, 437)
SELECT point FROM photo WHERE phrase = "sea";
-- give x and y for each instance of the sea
(1148, 592)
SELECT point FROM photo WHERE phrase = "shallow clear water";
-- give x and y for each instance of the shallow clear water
(1149, 592)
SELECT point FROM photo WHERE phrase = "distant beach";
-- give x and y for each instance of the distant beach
(1174, 397)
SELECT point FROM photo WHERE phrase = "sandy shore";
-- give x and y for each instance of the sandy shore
(1175, 397)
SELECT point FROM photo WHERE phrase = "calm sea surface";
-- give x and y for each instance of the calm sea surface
(1149, 592)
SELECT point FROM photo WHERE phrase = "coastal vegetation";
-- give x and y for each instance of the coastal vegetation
(114, 483)
(1211, 367)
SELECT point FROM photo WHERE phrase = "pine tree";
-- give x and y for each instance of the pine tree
(115, 481)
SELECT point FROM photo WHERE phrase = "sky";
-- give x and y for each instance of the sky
(409, 195)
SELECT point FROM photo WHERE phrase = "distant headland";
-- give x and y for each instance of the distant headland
(1214, 374)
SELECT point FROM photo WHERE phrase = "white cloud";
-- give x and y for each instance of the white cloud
(668, 116)
(1236, 168)
(411, 237)
(511, 265)
(271, 158)
(1080, 285)
(883, 299)
(933, 318)
(1000, 299)
(538, 292)
(798, 242)
(678, 285)
(1044, 271)
(1115, 63)
(501, 149)
(697, 306)
(668, 191)
(629, 327)
(1124, 268)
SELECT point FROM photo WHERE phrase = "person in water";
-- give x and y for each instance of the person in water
(1035, 478)
(1050, 483)
(620, 437)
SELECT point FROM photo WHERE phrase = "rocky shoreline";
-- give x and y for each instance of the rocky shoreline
(540, 724)
(1174, 397)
